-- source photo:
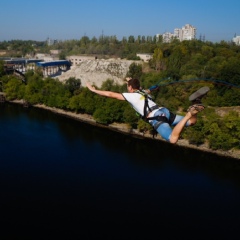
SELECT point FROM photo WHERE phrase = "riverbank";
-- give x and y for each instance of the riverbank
(124, 128)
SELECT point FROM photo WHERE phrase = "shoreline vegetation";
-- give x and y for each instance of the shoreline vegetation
(125, 129)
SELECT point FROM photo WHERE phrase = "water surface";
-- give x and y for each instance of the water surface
(61, 177)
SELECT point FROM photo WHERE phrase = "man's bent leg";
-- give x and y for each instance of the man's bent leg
(191, 115)
(178, 128)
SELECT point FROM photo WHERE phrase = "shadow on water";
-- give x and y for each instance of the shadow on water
(94, 183)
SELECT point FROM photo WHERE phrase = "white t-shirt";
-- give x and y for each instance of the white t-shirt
(137, 101)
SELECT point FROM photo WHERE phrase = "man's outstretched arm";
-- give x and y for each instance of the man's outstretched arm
(109, 94)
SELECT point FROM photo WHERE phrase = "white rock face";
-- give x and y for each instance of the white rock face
(99, 70)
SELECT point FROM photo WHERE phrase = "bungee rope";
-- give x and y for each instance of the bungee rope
(191, 80)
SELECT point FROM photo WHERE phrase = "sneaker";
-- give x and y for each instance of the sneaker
(199, 94)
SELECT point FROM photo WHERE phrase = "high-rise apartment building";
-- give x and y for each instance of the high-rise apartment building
(236, 40)
(187, 32)
(168, 37)
(51, 41)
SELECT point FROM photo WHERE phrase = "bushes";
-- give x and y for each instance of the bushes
(220, 133)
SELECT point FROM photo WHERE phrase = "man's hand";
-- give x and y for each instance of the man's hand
(128, 78)
(90, 87)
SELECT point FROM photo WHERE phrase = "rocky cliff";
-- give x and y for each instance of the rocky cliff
(99, 70)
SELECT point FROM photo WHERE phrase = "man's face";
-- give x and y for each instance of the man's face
(129, 88)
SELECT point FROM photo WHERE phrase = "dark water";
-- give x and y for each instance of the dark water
(64, 179)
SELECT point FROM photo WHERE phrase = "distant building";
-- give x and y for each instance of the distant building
(236, 40)
(158, 36)
(187, 32)
(51, 42)
(167, 37)
(55, 52)
(144, 56)
(75, 60)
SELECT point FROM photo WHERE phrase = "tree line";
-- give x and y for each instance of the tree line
(178, 60)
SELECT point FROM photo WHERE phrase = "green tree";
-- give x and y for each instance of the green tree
(230, 71)
(111, 111)
(207, 51)
(12, 88)
(73, 85)
(131, 39)
(195, 134)
(33, 90)
(85, 102)
(2, 72)
(158, 59)
(135, 71)
(232, 126)
(130, 116)
(62, 56)
(55, 94)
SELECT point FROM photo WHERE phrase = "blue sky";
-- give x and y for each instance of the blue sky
(71, 19)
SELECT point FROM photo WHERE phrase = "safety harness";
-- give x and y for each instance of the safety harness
(147, 110)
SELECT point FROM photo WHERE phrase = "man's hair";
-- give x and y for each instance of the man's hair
(134, 83)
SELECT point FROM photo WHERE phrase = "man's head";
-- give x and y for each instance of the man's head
(134, 83)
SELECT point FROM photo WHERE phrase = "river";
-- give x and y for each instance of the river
(64, 178)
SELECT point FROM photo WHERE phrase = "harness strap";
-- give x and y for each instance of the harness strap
(151, 109)
(146, 109)
(171, 118)
(162, 119)
(158, 118)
